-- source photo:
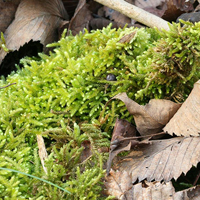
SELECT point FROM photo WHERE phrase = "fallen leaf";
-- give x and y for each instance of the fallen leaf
(117, 183)
(42, 151)
(175, 8)
(151, 118)
(186, 121)
(36, 20)
(122, 129)
(163, 159)
(7, 13)
(127, 38)
(81, 18)
(146, 190)
(192, 17)
(116, 16)
(150, 191)
(167, 9)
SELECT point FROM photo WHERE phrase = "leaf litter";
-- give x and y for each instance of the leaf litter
(152, 163)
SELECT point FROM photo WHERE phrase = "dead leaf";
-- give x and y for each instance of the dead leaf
(167, 9)
(127, 38)
(117, 183)
(116, 16)
(151, 118)
(7, 13)
(81, 18)
(192, 17)
(36, 20)
(163, 159)
(175, 8)
(148, 3)
(147, 190)
(186, 121)
(42, 151)
(122, 129)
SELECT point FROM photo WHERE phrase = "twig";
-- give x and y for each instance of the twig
(7, 85)
(136, 13)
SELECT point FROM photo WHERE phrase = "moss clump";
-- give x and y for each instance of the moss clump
(71, 83)
(172, 65)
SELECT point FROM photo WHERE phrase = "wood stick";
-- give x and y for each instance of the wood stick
(136, 13)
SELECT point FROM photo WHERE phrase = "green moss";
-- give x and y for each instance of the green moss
(71, 83)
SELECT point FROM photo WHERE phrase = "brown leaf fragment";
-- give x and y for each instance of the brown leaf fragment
(167, 9)
(81, 18)
(151, 118)
(7, 13)
(150, 190)
(175, 8)
(116, 151)
(123, 129)
(116, 16)
(186, 121)
(127, 38)
(42, 151)
(164, 159)
(188, 194)
(36, 20)
(117, 183)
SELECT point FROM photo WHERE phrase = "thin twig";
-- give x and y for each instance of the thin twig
(7, 85)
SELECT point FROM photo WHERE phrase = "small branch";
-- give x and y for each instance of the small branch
(7, 85)
(136, 13)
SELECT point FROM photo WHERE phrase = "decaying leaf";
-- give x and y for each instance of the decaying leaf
(146, 190)
(36, 20)
(7, 13)
(151, 118)
(163, 159)
(121, 130)
(167, 9)
(42, 151)
(117, 183)
(81, 18)
(186, 121)
(127, 38)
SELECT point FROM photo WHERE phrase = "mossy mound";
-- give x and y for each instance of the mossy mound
(71, 83)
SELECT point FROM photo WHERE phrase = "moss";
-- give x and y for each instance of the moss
(62, 97)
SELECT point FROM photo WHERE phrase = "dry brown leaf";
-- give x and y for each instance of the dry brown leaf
(175, 8)
(36, 20)
(148, 3)
(167, 9)
(116, 16)
(127, 38)
(122, 129)
(81, 18)
(151, 118)
(42, 151)
(7, 13)
(147, 190)
(117, 183)
(163, 159)
(186, 121)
